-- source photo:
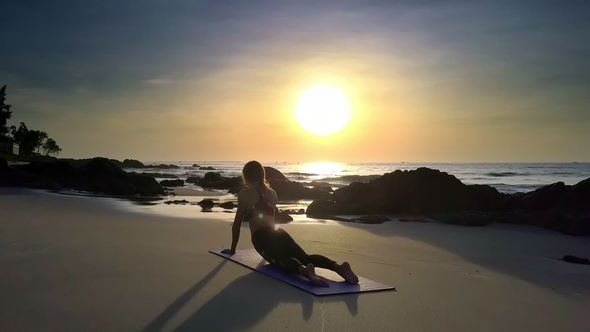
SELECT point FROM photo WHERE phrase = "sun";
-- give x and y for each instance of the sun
(323, 110)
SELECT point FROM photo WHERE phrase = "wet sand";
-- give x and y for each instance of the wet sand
(72, 263)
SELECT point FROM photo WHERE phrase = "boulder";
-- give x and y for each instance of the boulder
(206, 204)
(206, 168)
(172, 183)
(98, 175)
(163, 166)
(193, 179)
(227, 205)
(132, 163)
(214, 180)
(576, 260)
(282, 217)
(420, 191)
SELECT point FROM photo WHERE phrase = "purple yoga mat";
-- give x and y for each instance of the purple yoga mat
(252, 260)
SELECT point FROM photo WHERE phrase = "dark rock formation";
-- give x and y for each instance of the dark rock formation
(427, 192)
(214, 180)
(419, 191)
(206, 168)
(193, 179)
(206, 204)
(172, 183)
(286, 189)
(132, 163)
(556, 196)
(282, 217)
(163, 166)
(99, 175)
(290, 190)
(576, 260)
(227, 205)
(177, 201)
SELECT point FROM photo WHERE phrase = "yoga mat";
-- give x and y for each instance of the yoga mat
(252, 260)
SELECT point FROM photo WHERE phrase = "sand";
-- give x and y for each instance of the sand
(71, 263)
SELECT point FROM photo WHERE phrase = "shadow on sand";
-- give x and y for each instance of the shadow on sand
(248, 299)
(524, 252)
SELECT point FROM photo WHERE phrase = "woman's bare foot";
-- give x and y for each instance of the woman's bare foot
(314, 278)
(345, 272)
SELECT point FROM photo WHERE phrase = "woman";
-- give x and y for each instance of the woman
(256, 204)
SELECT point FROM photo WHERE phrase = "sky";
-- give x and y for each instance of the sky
(427, 81)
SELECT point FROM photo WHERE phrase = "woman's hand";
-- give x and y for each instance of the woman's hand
(228, 252)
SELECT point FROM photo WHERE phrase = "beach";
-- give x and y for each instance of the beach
(72, 263)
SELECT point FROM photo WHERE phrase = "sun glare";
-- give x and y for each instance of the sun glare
(323, 110)
(322, 168)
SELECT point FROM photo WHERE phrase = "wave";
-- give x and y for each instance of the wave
(500, 174)
(300, 173)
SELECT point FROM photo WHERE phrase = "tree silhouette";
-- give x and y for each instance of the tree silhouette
(5, 114)
(28, 140)
(51, 147)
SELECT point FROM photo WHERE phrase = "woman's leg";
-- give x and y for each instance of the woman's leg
(294, 250)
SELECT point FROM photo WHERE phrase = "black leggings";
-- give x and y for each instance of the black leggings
(278, 248)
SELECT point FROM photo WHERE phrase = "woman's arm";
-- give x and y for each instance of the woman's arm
(235, 228)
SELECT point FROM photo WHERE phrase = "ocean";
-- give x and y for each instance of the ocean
(506, 177)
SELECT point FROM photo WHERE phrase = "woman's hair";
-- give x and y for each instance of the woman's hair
(253, 173)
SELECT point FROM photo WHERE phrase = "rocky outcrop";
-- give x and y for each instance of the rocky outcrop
(420, 191)
(98, 175)
(428, 192)
(556, 196)
(285, 188)
(576, 260)
(172, 183)
(163, 166)
(132, 163)
(214, 180)
(291, 190)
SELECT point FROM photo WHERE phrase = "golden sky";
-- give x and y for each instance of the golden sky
(426, 82)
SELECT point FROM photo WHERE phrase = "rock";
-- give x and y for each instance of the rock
(193, 179)
(282, 217)
(206, 168)
(227, 205)
(132, 163)
(99, 175)
(273, 174)
(294, 211)
(214, 180)
(163, 166)
(321, 185)
(290, 190)
(545, 198)
(177, 201)
(195, 165)
(172, 183)
(420, 191)
(576, 260)
(206, 204)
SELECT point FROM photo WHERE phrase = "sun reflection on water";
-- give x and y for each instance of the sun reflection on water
(323, 168)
